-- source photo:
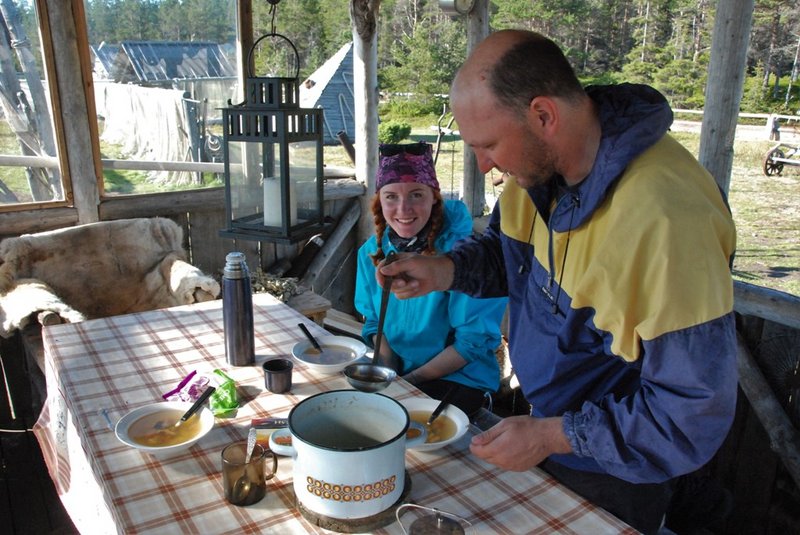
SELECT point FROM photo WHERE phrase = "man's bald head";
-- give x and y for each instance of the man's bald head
(514, 67)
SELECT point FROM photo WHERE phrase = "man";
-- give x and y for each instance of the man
(614, 247)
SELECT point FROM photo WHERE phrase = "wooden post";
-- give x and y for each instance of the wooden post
(724, 87)
(473, 186)
(75, 111)
(364, 20)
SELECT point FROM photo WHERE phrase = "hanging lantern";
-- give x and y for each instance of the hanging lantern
(272, 151)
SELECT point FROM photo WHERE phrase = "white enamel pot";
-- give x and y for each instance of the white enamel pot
(349, 452)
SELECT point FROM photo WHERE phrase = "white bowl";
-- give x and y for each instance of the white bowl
(336, 359)
(427, 405)
(124, 424)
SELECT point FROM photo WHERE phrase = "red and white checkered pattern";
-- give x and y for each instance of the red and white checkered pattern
(123, 362)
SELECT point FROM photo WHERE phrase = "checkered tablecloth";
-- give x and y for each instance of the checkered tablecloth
(117, 364)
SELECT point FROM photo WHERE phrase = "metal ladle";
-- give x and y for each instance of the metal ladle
(379, 374)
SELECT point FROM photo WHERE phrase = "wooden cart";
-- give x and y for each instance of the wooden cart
(780, 155)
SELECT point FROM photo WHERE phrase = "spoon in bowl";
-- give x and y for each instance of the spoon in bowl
(310, 337)
(188, 414)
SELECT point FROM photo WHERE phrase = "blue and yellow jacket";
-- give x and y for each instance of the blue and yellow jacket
(419, 329)
(620, 297)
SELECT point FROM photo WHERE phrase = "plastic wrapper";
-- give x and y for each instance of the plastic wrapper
(189, 389)
(223, 401)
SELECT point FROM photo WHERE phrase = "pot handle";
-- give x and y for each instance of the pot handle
(420, 437)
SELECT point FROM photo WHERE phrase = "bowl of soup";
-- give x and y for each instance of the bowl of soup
(447, 428)
(337, 353)
(152, 428)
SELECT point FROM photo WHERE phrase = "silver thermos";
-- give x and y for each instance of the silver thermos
(237, 311)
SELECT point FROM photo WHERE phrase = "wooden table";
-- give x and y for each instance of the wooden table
(123, 362)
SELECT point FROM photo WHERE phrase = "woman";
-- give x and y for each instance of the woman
(444, 339)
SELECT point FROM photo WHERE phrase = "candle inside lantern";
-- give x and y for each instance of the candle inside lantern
(273, 203)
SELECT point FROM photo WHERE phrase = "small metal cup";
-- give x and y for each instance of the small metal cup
(278, 375)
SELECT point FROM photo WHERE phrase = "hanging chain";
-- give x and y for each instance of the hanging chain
(273, 11)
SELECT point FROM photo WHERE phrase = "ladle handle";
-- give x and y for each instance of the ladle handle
(387, 289)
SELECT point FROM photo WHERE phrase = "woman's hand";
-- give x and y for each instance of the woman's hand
(416, 275)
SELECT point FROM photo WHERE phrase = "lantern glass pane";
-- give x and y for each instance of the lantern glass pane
(303, 168)
(247, 161)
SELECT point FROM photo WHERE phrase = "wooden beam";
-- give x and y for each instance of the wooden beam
(314, 278)
(766, 303)
(783, 437)
(31, 221)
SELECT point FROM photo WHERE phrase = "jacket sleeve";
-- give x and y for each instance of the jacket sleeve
(477, 324)
(678, 417)
(479, 266)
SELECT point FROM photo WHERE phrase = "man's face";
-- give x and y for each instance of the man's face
(504, 141)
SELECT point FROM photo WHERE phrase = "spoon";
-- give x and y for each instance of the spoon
(242, 486)
(441, 406)
(196, 405)
(310, 337)
(188, 414)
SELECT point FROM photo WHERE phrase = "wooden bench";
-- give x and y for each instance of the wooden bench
(311, 305)
(342, 323)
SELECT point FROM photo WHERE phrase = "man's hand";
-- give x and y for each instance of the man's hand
(416, 275)
(520, 442)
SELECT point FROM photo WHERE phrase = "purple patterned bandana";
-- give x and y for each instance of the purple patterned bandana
(406, 163)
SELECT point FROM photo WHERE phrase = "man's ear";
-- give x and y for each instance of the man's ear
(543, 115)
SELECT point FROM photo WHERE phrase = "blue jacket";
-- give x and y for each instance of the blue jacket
(418, 329)
(621, 297)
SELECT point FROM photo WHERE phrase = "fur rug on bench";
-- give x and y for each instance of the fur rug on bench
(98, 270)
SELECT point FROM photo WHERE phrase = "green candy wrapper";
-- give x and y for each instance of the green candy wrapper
(224, 400)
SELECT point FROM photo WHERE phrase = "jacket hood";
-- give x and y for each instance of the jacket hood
(458, 222)
(632, 117)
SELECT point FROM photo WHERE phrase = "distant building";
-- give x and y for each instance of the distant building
(331, 88)
(159, 63)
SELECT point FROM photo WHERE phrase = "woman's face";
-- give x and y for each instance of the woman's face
(406, 207)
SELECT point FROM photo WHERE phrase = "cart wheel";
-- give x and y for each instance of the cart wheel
(771, 167)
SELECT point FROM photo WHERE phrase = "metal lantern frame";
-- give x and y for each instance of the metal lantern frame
(271, 118)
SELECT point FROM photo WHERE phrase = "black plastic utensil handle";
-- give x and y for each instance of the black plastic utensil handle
(310, 336)
(440, 407)
(193, 409)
